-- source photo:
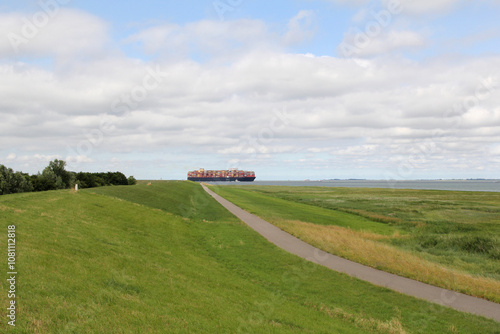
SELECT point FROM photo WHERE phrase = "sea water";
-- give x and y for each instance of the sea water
(462, 185)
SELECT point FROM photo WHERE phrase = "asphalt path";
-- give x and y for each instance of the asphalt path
(455, 300)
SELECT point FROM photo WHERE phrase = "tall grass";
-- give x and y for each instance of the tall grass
(362, 247)
(449, 239)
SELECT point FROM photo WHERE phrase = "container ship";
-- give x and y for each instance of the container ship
(221, 175)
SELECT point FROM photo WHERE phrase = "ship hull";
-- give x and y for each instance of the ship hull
(245, 179)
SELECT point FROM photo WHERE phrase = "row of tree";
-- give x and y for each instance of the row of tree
(55, 176)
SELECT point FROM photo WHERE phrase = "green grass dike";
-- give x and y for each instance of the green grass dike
(164, 257)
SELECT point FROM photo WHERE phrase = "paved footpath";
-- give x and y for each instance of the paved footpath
(404, 285)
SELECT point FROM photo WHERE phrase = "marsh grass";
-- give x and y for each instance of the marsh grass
(363, 247)
(445, 238)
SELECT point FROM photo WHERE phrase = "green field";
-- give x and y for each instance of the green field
(166, 258)
(455, 231)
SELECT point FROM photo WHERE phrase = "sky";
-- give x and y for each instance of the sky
(293, 90)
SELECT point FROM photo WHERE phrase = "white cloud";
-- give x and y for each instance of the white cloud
(495, 150)
(300, 27)
(421, 7)
(362, 150)
(411, 7)
(482, 117)
(222, 110)
(33, 160)
(359, 44)
(155, 38)
(78, 159)
(349, 2)
(66, 33)
(221, 39)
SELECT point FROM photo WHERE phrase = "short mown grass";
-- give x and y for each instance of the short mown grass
(166, 258)
(422, 238)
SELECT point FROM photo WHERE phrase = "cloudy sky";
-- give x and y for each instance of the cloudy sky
(297, 89)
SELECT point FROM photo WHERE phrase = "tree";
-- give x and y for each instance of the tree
(5, 176)
(56, 173)
(55, 176)
(116, 178)
(42, 183)
(13, 182)
(21, 183)
(131, 180)
(4, 180)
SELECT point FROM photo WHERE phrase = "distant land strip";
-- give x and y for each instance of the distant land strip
(273, 234)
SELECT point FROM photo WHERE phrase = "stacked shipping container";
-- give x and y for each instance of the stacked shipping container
(221, 175)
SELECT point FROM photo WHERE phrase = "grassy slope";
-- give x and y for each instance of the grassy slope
(430, 244)
(90, 262)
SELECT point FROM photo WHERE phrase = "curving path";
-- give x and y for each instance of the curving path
(455, 300)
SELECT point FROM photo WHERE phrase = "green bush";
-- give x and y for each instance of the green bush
(131, 180)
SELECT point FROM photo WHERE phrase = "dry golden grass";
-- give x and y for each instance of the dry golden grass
(362, 247)
(7, 208)
(371, 325)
